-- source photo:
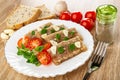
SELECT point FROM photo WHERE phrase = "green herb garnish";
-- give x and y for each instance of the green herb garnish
(61, 50)
(65, 38)
(43, 31)
(23, 47)
(62, 28)
(46, 26)
(58, 36)
(72, 32)
(39, 48)
(52, 30)
(33, 59)
(33, 32)
(71, 47)
(21, 51)
(29, 55)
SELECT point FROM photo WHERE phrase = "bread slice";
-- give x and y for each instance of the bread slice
(46, 14)
(67, 54)
(22, 15)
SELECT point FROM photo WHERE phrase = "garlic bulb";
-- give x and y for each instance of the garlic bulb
(60, 7)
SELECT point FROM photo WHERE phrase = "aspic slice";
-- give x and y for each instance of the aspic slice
(52, 29)
(67, 49)
(45, 30)
(62, 35)
(46, 25)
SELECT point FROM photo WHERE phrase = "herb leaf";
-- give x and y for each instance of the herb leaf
(33, 59)
(43, 31)
(71, 47)
(52, 30)
(23, 47)
(33, 32)
(21, 51)
(46, 26)
(65, 38)
(72, 33)
(58, 36)
(26, 53)
(39, 48)
(62, 28)
(60, 50)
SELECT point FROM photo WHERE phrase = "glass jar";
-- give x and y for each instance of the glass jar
(106, 15)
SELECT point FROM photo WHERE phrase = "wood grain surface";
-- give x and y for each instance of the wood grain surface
(110, 69)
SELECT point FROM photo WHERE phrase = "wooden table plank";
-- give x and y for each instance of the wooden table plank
(110, 69)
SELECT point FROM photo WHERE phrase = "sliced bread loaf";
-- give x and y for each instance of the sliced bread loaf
(23, 15)
(46, 14)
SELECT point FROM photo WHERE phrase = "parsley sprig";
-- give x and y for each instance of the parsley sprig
(71, 47)
(58, 36)
(72, 33)
(43, 31)
(33, 32)
(28, 54)
(65, 38)
(60, 50)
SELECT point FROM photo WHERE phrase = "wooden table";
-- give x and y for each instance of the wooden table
(110, 69)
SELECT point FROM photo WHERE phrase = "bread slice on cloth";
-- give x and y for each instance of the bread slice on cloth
(23, 15)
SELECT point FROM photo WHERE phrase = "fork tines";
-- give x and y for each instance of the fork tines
(99, 52)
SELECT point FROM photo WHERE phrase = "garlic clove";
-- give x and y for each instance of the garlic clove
(56, 28)
(44, 36)
(53, 50)
(77, 44)
(53, 42)
(8, 31)
(65, 32)
(10, 34)
(4, 36)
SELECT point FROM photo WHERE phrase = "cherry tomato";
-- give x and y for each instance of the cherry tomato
(76, 17)
(87, 23)
(65, 16)
(47, 46)
(19, 43)
(91, 15)
(23, 41)
(44, 57)
(33, 43)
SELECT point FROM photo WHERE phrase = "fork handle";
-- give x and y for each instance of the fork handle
(86, 76)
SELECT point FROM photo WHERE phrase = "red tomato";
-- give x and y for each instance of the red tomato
(19, 43)
(76, 17)
(91, 15)
(88, 24)
(47, 46)
(23, 41)
(33, 43)
(44, 57)
(65, 16)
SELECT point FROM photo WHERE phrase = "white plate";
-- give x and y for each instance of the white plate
(19, 63)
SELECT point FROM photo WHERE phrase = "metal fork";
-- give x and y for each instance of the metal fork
(97, 58)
